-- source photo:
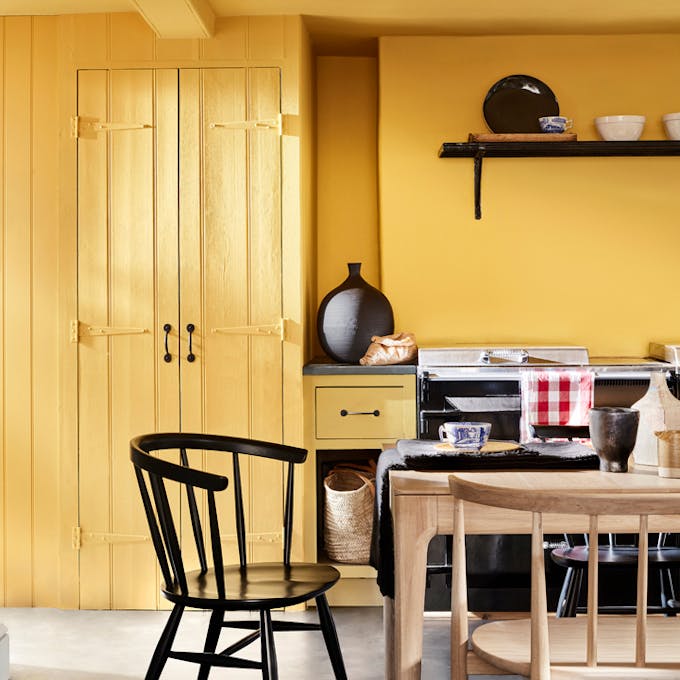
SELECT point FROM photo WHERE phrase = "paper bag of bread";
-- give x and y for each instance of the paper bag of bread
(398, 348)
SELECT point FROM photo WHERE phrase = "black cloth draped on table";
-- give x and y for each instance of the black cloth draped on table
(420, 454)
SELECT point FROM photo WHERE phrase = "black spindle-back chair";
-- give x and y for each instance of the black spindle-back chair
(218, 586)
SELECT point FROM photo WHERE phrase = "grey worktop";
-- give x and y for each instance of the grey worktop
(326, 366)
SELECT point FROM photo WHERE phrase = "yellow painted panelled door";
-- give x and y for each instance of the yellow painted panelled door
(179, 298)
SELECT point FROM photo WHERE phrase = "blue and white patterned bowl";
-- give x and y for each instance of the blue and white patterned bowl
(465, 435)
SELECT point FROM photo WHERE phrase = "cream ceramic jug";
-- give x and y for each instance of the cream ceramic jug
(659, 410)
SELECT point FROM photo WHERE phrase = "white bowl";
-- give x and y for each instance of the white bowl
(465, 435)
(620, 128)
(671, 121)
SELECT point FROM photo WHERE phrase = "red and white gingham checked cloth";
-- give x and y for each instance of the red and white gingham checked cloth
(555, 398)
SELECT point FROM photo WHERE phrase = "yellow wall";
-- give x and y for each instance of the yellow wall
(347, 198)
(568, 250)
(39, 58)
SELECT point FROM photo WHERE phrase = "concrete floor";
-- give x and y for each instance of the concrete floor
(51, 644)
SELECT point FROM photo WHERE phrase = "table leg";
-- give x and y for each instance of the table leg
(388, 629)
(415, 523)
(459, 606)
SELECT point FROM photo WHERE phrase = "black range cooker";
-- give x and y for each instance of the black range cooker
(482, 383)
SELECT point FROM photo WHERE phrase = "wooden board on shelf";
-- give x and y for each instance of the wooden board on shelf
(522, 137)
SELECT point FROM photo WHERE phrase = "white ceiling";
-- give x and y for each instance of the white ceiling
(339, 26)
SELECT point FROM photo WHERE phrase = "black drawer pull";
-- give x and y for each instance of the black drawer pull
(167, 357)
(345, 412)
(191, 357)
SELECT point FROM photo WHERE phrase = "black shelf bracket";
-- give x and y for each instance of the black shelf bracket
(479, 150)
(479, 156)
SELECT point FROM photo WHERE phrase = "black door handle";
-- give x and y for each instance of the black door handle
(167, 357)
(191, 357)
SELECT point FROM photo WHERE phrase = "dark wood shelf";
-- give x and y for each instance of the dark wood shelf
(655, 147)
(480, 150)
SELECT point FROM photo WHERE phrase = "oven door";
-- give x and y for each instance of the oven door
(489, 401)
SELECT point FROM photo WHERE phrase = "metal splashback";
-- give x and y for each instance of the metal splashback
(504, 362)
(501, 355)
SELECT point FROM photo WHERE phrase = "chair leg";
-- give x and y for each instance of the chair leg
(330, 636)
(160, 655)
(664, 595)
(269, 666)
(211, 638)
(564, 593)
(575, 594)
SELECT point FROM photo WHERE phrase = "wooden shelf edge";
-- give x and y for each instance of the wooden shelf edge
(660, 147)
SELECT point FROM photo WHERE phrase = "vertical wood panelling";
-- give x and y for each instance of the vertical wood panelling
(42, 258)
(18, 304)
(297, 248)
(229, 41)
(190, 136)
(90, 38)
(264, 252)
(167, 260)
(222, 276)
(130, 38)
(136, 182)
(189, 301)
(66, 398)
(171, 49)
(45, 321)
(4, 547)
(264, 284)
(93, 403)
(132, 304)
(265, 37)
(213, 261)
(167, 256)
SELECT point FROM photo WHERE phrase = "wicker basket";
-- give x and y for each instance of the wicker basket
(348, 517)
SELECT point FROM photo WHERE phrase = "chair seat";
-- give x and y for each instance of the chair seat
(270, 584)
(624, 556)
(507, 644)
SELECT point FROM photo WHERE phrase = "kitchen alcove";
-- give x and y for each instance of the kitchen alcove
(480, 150)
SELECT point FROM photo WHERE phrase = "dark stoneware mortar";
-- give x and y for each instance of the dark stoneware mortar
(613, 431)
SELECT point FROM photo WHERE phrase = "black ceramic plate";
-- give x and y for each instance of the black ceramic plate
(515, 103)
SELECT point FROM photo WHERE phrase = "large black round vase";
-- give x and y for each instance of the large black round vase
(613, 431)
(350, 315)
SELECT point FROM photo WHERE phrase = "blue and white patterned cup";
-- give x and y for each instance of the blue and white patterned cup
(465, 435)
(554, 123)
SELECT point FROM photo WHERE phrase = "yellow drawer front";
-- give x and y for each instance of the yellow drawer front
(360, 412)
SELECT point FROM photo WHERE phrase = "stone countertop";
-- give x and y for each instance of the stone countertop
(326, 366)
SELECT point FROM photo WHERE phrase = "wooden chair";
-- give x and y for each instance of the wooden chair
(663, 560)
(615, 554)
(629, 647)
(215, 585)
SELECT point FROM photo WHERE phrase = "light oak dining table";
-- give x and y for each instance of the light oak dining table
(422, 507)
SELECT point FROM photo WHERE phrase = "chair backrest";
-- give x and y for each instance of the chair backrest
(579, 493)
(163, 516)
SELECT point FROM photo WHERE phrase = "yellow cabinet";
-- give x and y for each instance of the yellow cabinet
(351, 414)
(370, 412)
(179, 270)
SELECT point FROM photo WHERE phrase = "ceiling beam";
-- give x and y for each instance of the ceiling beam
(178, 18)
